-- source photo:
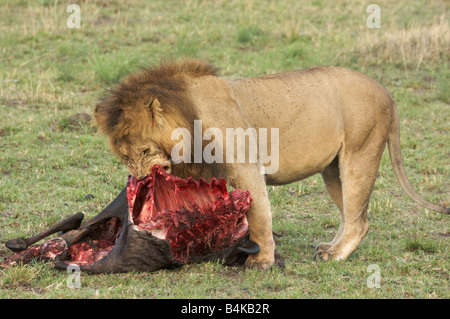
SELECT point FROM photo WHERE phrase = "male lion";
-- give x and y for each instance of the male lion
(331, 120)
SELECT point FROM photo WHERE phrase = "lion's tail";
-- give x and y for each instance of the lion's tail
(399, 170)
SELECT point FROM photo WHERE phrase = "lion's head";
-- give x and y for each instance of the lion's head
(139, 114)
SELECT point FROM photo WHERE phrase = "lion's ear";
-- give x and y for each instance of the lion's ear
(156, 111)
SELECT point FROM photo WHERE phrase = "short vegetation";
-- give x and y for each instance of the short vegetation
(51, 156)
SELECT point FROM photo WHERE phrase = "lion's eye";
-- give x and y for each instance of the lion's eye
(146, 151)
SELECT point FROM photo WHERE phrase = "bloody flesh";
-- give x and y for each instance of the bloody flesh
(196, 218)
(97, 244)
(43, 252)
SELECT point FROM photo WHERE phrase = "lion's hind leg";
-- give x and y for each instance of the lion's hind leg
(357, 173)
(333, 184)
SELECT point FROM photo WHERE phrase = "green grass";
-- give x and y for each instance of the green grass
(49, 162)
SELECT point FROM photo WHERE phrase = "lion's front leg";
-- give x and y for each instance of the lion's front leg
(247, 177)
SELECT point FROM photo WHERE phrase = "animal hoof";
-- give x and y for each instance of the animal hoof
(17, 244)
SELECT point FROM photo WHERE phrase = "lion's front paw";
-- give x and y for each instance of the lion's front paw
(259, 263)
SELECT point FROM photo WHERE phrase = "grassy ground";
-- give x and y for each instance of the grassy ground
(49, 160)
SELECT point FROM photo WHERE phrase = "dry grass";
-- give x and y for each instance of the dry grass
(412, 45)
(19, 276)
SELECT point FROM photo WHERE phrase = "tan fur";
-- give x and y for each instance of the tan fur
(331, 120)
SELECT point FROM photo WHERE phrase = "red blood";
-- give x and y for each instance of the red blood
(43, 252)
(97, 244)
(196, 217)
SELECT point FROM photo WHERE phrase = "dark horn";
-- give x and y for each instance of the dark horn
(249, 247)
